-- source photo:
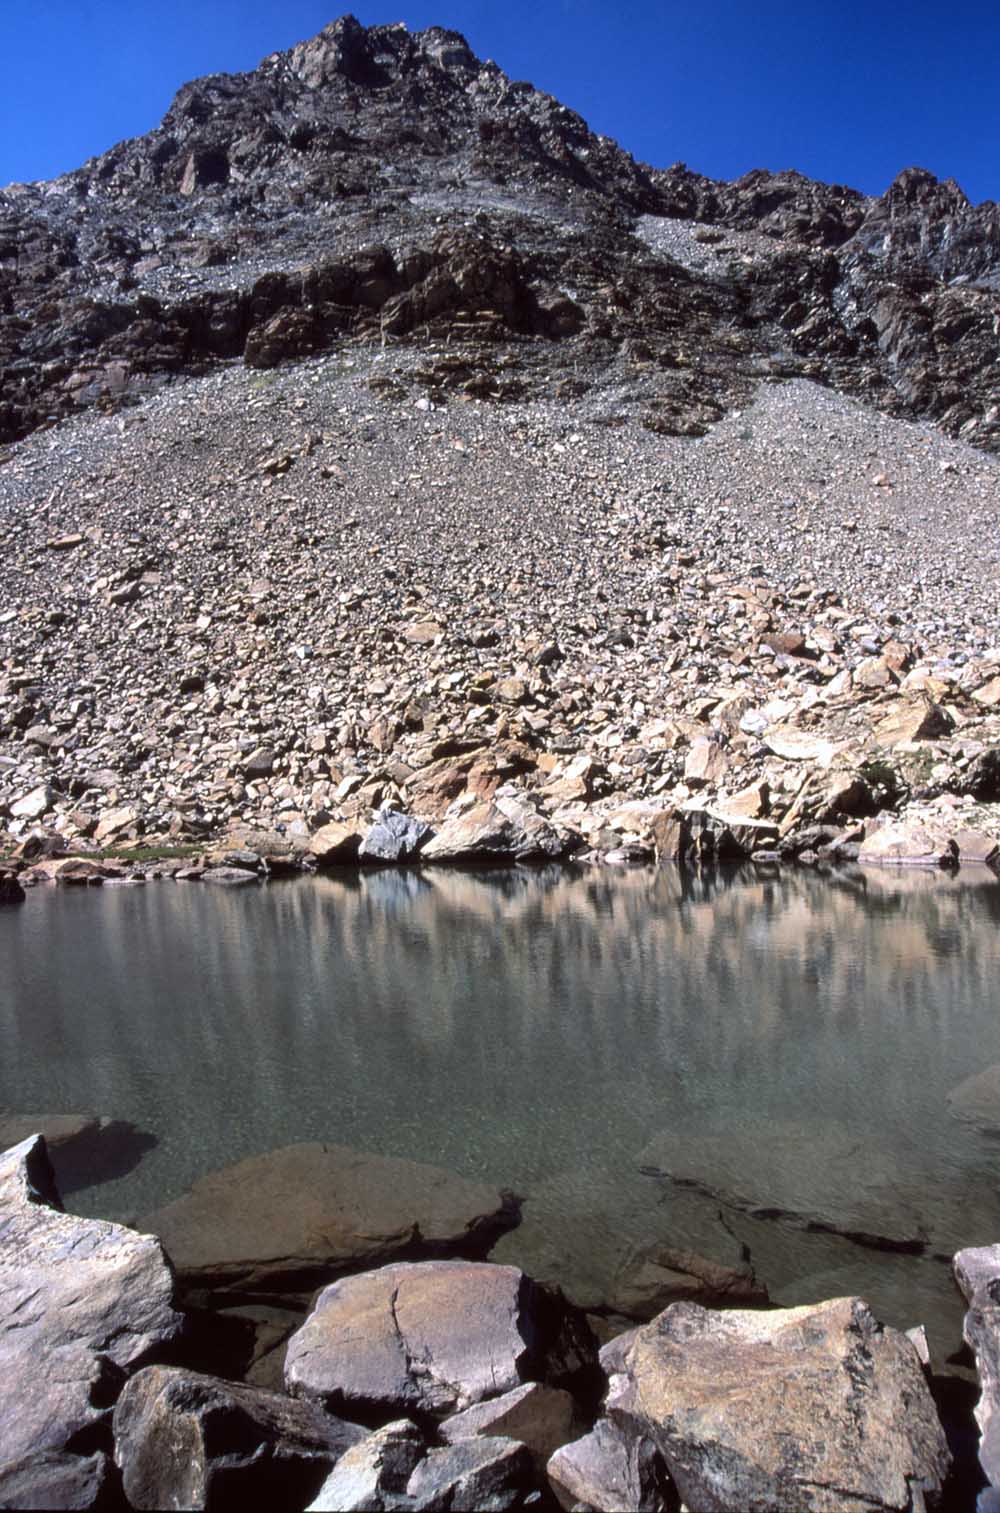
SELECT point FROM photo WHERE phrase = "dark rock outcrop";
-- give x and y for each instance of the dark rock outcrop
(202, 242)
(183, 1440)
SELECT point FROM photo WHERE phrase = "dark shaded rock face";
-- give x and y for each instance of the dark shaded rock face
(513, 231)
(187, 1440)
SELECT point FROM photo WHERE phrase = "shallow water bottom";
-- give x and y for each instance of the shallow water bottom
(729, 1065)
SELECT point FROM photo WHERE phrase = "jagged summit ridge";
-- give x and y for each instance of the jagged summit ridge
(380, 184)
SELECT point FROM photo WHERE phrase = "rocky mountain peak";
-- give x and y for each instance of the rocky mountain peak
(377, 180)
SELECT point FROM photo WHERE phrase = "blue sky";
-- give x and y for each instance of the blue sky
(849, 92)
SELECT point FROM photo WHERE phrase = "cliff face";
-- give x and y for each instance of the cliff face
(380, 184)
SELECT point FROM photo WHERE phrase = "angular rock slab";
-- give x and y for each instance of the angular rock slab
(374, 1473)
(55, 1480)
(394, 837)
(977, 1272)
(488, 1475)
(184, 1440)
(535, 1415)
(506, 830)
(430, 1338)
(608, 1470)
(810, 1410)
(296, 1216)
(81, 1303)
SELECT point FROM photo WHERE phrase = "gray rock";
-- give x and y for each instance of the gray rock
(430, 1338)
(394, 837)
(802, 1409)
(54, 1480)
(81, 1303)
(184, 1440)
(372, 1476)
(433, 1338)
(481, 1475)
(608, 1470)
(228, 876)
(508, 829)
(300, 1215)
(977, 1271)
(538, 1416)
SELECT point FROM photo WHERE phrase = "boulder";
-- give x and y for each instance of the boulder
(295, 1217)
(535, 1415)
(431, 1338)
(31, 806)
(55, 1480)
(802, 1409)
(977, 1272)
(505, 830)
(82, 1303)
(394, 838)
(909, 843)
(184, 1440)
(11, 891)
(609, 1470)
(372, 1474)
(912, 720)
(488, 1475)
(336, 844)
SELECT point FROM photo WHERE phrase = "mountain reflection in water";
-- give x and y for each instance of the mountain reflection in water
(547, 1031)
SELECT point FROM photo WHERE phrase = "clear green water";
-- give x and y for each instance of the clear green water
(568, 1035)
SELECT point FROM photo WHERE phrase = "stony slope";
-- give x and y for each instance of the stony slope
(416, 440)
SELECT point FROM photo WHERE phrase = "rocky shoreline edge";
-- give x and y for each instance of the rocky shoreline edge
(352, 1349)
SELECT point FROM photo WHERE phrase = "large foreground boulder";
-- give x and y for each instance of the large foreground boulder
(82, 1304)
(977, 1271)
(184, 1440)
(811, 1410)
(431, 1339)
(291, 1219)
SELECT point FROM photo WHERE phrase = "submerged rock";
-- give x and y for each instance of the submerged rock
(82, 1304)
(294, 1217)
(977, 1099)
(802, 1409)
(184, 1440)
(819, 1175)
(84, 1149)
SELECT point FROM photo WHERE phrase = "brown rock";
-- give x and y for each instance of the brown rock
(337, 844)
(909, 843)
(912, 720)
(803, 1409)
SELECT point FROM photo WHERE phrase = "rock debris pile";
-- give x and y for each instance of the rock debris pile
(381, 442)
